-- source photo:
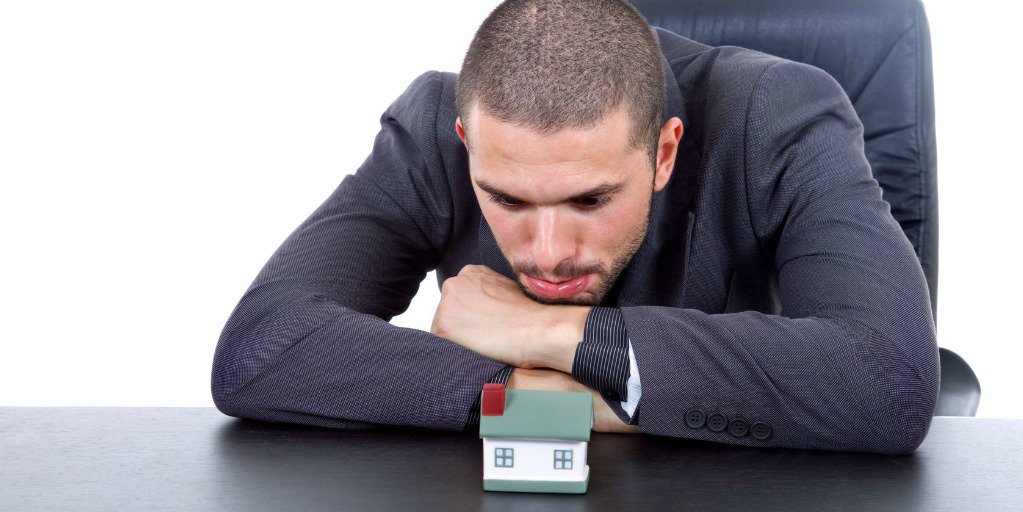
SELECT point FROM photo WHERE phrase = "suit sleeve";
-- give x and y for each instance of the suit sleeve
(851, 361)
(310, 340)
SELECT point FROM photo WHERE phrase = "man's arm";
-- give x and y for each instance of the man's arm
(851, 363)
(309, 342)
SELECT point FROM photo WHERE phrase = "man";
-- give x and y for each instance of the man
(743, 283)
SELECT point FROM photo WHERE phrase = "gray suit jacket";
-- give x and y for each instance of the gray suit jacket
(773, 302)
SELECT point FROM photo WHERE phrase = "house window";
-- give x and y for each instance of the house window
(562, 459)
(504, 457)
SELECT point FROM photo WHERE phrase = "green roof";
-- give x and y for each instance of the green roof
(542, 414)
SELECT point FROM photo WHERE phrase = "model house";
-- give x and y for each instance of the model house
(535, 440)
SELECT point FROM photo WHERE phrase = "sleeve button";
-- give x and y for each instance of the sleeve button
(738, 428)
(760, 430)
(717, 422)
(695, 418)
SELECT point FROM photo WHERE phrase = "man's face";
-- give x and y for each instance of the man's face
(568, 210)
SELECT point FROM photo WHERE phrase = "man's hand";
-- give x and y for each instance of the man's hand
(604, 419)
(487, 313)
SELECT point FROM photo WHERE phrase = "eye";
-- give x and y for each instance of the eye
(592, 203)
(507, 203)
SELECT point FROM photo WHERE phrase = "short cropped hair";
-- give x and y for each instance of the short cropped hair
(547, 65)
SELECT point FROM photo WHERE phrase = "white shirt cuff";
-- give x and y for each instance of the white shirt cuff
(634, 388)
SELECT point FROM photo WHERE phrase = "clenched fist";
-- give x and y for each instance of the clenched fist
(486, 312)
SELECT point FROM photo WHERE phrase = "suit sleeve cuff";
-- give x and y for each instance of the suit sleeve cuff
(502, 377)
(602, 358)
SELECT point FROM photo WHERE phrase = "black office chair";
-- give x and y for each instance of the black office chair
(880, 51)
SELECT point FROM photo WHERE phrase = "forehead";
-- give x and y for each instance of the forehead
(503, 149)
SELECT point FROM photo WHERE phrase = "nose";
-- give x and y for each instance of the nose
(553, 241)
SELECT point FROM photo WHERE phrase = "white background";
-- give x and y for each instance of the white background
(154, 154)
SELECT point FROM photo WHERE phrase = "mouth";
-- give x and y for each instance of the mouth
(558, 290)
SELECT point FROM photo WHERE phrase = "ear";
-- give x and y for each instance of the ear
(667, 149)
(460, 131)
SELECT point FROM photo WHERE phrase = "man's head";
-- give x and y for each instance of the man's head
(560, 107)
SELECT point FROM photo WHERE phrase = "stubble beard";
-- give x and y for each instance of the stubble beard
(631, 245)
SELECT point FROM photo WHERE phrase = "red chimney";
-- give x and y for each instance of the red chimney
(493, 399)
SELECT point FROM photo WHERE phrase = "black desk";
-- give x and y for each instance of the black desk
(198, 459)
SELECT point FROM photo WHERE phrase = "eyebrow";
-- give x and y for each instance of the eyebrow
(599, 190)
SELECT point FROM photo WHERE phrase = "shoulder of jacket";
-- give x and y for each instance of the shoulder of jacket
(743, 72)
(416, 107)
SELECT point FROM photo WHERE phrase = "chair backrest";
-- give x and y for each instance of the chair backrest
(879, 51)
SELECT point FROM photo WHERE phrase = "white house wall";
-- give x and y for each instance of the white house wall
(534, 459)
